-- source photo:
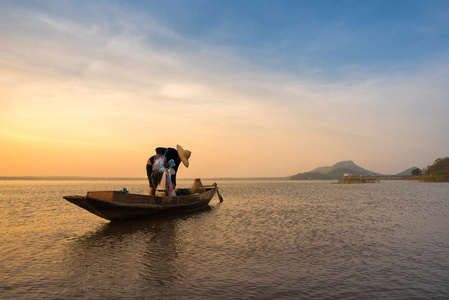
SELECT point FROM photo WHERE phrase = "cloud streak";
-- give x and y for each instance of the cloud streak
(129, 77)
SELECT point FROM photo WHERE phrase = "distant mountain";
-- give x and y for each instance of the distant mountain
(347, 166)
(407, 172)
(334, 172)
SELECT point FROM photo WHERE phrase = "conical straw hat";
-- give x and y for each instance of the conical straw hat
(184, 155)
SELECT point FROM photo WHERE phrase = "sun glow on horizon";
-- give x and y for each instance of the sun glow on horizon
(94, 94)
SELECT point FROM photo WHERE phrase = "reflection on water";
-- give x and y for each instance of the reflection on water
(267, 240)
(140, 254)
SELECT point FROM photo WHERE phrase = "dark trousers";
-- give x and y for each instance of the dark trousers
(153, 177)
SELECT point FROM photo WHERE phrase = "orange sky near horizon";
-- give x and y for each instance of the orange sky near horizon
(96, 96)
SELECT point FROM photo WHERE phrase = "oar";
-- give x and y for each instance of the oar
(218, 193)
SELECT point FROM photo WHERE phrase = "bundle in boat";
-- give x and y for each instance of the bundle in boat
(197, 187)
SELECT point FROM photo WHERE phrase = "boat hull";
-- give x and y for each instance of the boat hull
(113, 205)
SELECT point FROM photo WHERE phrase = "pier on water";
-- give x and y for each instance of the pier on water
(391, 177)
(380, 177)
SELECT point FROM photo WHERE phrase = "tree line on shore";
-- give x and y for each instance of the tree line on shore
(438, 172)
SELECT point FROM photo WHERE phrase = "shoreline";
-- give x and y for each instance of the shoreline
(81, 178)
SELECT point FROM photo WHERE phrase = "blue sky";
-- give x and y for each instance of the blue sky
(283, 35)
(322, 81)
(330, 35)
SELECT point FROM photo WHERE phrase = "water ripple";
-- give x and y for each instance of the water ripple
(268, 240)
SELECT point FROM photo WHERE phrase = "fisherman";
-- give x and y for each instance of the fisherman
(165, 158)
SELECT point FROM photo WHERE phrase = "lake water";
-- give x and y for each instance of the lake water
(267, 240)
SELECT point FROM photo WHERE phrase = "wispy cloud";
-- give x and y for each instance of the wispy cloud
(130, 76)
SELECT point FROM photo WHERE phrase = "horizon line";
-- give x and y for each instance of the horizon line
(123, 178)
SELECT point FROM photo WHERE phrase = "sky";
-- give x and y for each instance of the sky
(251, 88)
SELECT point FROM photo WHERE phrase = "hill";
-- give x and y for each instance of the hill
(407, 172)
(349, 164)
(336, 171)
(439, 167)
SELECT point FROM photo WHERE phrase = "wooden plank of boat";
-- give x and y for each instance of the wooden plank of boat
(116, 205)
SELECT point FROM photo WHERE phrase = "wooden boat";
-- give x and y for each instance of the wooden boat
(120, 205)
